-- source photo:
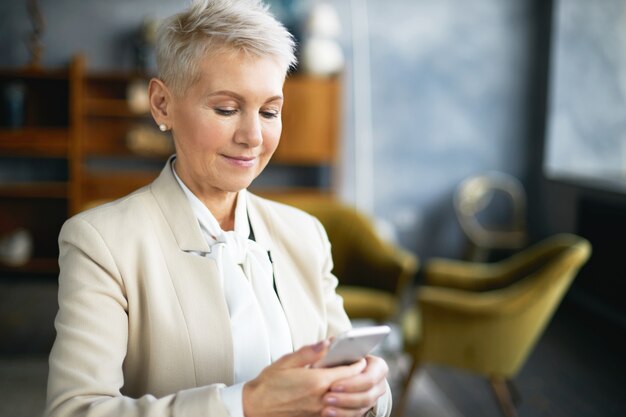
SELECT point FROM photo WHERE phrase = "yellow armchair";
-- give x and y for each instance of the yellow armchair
(486, 318)
(372, 273)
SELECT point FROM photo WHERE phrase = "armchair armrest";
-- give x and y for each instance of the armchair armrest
(470, 276)
(465, 304)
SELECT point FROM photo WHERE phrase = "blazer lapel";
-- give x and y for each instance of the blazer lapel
(197, 283)
(303, 320)
(177, 211)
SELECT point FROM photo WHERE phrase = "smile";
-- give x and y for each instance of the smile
(241, 161)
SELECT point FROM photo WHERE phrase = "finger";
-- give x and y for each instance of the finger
(306, 355)
(374, 374)
(345, 372)
(365, 399)
(357, 383)
(339, 412)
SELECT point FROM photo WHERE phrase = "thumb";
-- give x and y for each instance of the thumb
(306, 355)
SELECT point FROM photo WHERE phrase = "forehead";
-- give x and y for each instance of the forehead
(237, 70)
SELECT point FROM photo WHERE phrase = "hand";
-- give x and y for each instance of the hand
(290, 387)
(355, 395)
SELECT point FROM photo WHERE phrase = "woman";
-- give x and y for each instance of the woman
(192, 297)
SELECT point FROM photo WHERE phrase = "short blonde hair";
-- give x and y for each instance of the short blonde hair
(211, 26)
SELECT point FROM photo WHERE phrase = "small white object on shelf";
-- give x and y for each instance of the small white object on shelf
(16, 248)
(321, 53)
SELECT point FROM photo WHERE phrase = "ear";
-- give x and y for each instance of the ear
(160, 102)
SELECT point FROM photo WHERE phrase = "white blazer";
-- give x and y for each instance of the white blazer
(143, 328)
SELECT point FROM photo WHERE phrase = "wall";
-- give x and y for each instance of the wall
(451, 84)
(102, 30)
(453, 93)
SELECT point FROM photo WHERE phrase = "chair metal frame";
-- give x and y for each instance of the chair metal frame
(474, 196)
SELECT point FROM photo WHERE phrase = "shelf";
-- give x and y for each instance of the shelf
(43, 189)
(110, 185)
(34, 266)
(116, 76)
(31, 73)
(111, 108)
(35, 141)
(115, 177)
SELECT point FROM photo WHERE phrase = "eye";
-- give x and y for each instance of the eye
(269, 114)
(225, 111)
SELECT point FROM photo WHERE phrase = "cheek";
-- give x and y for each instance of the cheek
(204, 135)
(272, 136)
(190, 122)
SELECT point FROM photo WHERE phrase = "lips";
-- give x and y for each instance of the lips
(241, 158)
(243, 161)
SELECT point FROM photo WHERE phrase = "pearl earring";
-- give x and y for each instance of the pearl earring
(163, 127)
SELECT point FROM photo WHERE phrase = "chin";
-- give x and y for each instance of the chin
(236, 186)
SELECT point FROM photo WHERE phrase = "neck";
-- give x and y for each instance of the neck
(222, 207)
(220, 203)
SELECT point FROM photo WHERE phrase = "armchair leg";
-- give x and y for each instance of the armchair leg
(501, 389)
(515, 395)
(400, 407)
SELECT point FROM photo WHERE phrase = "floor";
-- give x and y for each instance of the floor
(23, 386)
(577, 369)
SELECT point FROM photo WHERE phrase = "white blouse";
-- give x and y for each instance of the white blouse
(258, 324)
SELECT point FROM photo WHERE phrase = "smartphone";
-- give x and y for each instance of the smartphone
(352, 345)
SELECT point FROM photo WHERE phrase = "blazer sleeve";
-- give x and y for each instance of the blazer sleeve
(338, 320)
(86, 362)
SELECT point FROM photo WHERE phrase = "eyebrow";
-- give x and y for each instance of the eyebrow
(240, 97)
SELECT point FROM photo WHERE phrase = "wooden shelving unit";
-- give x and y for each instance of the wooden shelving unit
(85, 119)
(42, 132)
(38, 266)
(34, 189)
(105, 123)
(310, 121)
(33, 141)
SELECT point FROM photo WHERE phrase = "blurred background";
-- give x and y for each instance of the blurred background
(393, 106)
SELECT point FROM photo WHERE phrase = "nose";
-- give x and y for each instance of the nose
(250, 131)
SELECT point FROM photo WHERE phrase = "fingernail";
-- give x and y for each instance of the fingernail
(319, 346)
(338, 388)
(331, 400)
(331, 413)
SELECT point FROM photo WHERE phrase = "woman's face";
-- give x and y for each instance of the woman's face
(227, 125)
